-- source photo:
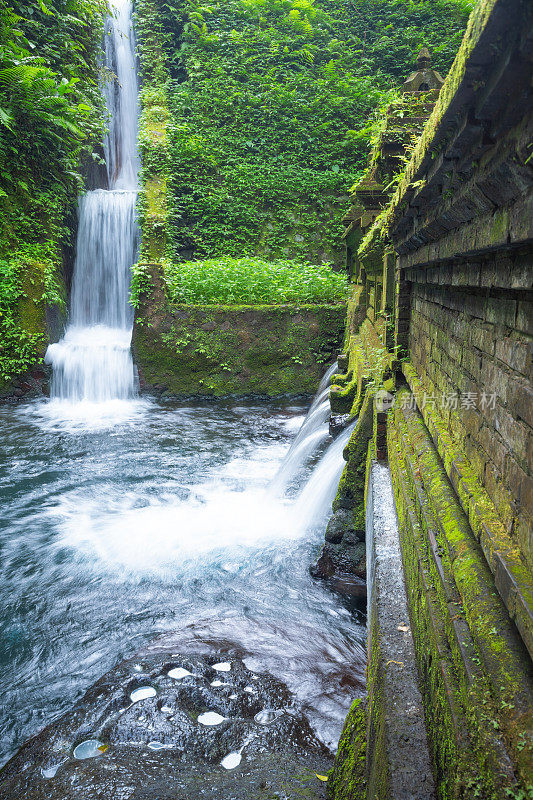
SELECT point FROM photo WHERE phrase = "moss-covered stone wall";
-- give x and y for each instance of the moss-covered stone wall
(451, 340)
(218, 351)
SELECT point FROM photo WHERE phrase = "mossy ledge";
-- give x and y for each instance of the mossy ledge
(234, 350)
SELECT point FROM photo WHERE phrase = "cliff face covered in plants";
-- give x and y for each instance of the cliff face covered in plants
(50, 114)
(267, 108)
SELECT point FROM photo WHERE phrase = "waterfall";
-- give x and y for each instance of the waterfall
(315, 499)
(312, 434)
(92, 363)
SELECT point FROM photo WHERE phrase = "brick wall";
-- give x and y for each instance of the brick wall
(470, 341)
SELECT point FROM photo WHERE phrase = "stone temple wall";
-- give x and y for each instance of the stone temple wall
(470, 341)
(438, 351)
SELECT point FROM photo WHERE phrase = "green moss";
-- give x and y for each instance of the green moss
(235, 350)
(351, 491)
(473, 670)
(347, 780)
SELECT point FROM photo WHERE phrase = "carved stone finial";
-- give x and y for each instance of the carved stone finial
(424, 59)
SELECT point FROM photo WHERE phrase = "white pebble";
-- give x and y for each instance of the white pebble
(231, 761)
(210, 718)
(223, 666)
(178, 673)
(156, 746)
(142, 693)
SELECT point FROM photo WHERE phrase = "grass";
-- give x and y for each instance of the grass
(242, 281)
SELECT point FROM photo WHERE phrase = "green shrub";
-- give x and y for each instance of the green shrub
(252, 281)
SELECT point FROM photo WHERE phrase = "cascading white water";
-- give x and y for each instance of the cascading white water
(92, 363)
(311, 435)
(315, 499)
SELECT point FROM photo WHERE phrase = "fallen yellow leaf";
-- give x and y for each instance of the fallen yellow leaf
(321, 777)
(103, 748)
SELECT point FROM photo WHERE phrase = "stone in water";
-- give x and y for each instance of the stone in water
(231, 761)
(249, 689)
(178, 673)
(217, 683)
(233, 697)
(142, 693)
(90, 748)
(210, 718)
(223, 666)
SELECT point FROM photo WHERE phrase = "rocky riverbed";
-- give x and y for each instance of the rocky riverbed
(169, 725)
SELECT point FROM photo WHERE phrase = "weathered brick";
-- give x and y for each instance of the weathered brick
(502, 311)
(521, 400)
(513, 432)
(454, 348)
(475, 305)
(494, 379)
(482, 336)
(456, 300)
(477, 457)
(524, 317)
(466, 274)
(524, 535)
(500, 496)
(445, 274)
(471, 361)
(459, 325)
(526, 494)
(472, 420)
(494, 446)
(516, 353)
(432, 275)
(496, 273)
(522, 272)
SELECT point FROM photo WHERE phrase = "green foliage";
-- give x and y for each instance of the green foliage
(28, 276)
(51, 112)
(269, 103)
(252, 281)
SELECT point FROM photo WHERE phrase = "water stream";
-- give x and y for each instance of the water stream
(165, 526)
(129, 520)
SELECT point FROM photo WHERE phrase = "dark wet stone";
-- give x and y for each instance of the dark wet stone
(337, 423)
(341, 525)
(280, 757)
(343, 557)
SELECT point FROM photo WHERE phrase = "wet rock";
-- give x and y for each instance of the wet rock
(341, 524)
(342, 561)
(337, 423)
(342, 362)
(158, 746)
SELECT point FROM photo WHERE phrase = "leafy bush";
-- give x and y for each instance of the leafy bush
(51, 113)
(250, 280)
